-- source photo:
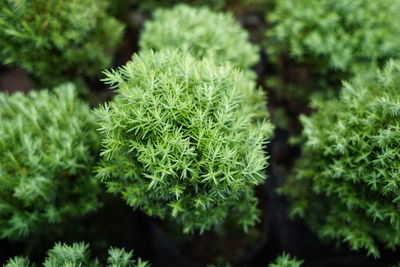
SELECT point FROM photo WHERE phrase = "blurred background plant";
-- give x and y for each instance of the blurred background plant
(315, 44)
(202, 32)
(151, 5)
(57, 41)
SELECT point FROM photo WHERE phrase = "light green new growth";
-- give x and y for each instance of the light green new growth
(346, 184)
(17, 262)
(332, 39)
(202, 32)
(63, 255)
(59, 39)
(178, 142)
(285, 260)
(77, 254)
(47, 147)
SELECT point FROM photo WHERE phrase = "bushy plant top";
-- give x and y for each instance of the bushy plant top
(347, 181)
(194, 31)
(58, 39)
(48, 144)
(203, 32)
(177, 141)
(286, 260)
(334, 35)
(77, 254)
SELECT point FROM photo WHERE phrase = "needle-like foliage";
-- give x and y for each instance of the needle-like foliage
(285, 260)
(203, 32)
(346, 184)
(329, 40)
(77, 254)
(48, 143)
(58, 39)
(178, 143)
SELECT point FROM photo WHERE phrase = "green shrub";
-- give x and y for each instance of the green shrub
(77, 254)
(47, 147)
(203, 32)
(347, 182)
(178, 143)
(326, 41)
(285, 260)
(59, 39)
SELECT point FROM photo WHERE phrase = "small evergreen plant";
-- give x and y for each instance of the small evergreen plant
(77, 254)
(329, 40)
(47, 147)
(346, 184)
(59, 39)
(178, 143)
(286, 260)
(203, 32)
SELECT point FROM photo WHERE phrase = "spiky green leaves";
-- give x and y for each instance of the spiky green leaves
(47, 147)
(331, 39)
(178, 143)
(202, 32)
(17, 262)
(77, 254)
(193, 30)
(286, 260)
(56, 40)
(347, 182)
(64, 255)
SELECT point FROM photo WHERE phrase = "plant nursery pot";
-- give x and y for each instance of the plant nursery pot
(9, 249)
(14, 79)
(216, 250)
(227, 243)
(166, 250)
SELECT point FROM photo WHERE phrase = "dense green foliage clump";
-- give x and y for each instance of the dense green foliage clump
(207, 34)
(330, 40)
(47, 147)
(285, 260)
(347, 182)
(178, 142)
(58, 39)
(77, 254)
(202, 32)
